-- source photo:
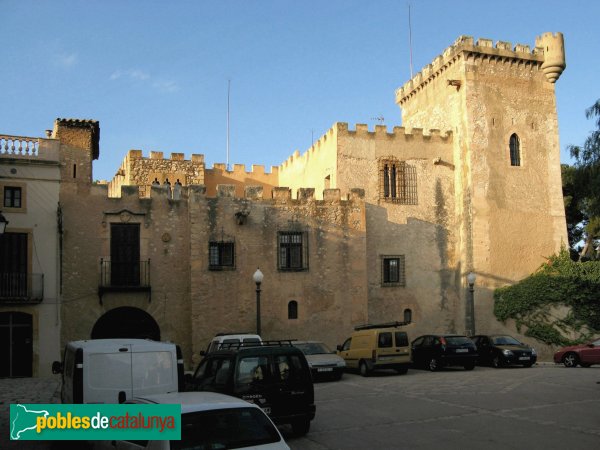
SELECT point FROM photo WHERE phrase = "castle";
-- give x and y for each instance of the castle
(365, 226)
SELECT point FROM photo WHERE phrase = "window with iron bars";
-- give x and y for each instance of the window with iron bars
(393, 271)
(293, 250)
(397, 182)
(221, 255)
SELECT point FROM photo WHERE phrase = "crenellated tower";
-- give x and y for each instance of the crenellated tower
(80, 145)
(499, 101)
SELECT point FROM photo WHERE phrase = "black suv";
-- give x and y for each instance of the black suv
(434, 351)
(274, 375)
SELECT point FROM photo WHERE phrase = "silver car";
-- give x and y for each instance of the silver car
(209, 420)
(323, 363)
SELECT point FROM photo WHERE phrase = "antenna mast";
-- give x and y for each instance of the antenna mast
(410, 42)
(228, 91)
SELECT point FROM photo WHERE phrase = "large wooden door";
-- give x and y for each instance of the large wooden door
(16, 344)
(125, 254)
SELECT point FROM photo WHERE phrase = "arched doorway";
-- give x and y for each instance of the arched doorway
(126, 322)
(16, 344)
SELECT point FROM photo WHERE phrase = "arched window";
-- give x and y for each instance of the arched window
(293, 310)
(408, 315)
(515, 150)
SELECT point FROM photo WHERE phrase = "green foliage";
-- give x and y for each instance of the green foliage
(546, 333)
(558, 282)
(581, 188)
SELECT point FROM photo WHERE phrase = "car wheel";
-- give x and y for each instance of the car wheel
(434, 364)
(300, 427)
(528, 365)
(339, 376)
(571, 360)
(469, 366)
(401, 370)
(364, 369)
(497, 361)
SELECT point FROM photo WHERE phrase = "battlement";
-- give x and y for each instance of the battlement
(157, 156)
(254, 193)
(362, 130)
(482, 47)
(381, 131)
(239, 170)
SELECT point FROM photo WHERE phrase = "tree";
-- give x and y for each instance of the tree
(585, 180)
(573, 209)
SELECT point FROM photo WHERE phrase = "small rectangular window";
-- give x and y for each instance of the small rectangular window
(392, 271)
(221, 255)
(12, 197)
(293, 251)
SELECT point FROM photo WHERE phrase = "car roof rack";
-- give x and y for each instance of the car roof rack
(270, 343)
(369, 326)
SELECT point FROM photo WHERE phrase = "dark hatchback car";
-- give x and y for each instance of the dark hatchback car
(503, 350)
(274, 375)
(434, 351)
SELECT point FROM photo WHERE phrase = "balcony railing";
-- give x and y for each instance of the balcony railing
(123, 276)
(21, 287)
(19, 146)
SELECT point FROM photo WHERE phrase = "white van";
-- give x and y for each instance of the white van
(114, 370)
(228, 340)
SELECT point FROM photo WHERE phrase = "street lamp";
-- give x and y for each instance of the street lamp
(258, 277)
(3, 223)
(471, 277)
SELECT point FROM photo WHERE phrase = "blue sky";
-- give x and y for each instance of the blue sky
(155, 73)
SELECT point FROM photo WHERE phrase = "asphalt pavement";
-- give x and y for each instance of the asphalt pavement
(544, 407)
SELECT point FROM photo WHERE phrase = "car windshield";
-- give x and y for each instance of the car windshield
(313, 348)
(225, 428)
(505, 340)
(458, 340)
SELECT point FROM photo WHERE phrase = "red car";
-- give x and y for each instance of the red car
(584, 354)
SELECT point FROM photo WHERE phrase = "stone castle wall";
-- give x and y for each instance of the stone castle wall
(136, 170)
(189, 302)
(238, 177)
(164, 240)
(317, 167)
(331, 294)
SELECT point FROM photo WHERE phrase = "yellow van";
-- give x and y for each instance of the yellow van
(372, 347)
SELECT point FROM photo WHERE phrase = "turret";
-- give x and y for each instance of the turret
(554, 54)
(79, 141)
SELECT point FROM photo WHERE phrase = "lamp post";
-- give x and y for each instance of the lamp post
(258, 277)
(471, 277)
(3, 223)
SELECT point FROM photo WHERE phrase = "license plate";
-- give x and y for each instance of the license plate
(524, 358)
(462, 350)
(324, 369)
